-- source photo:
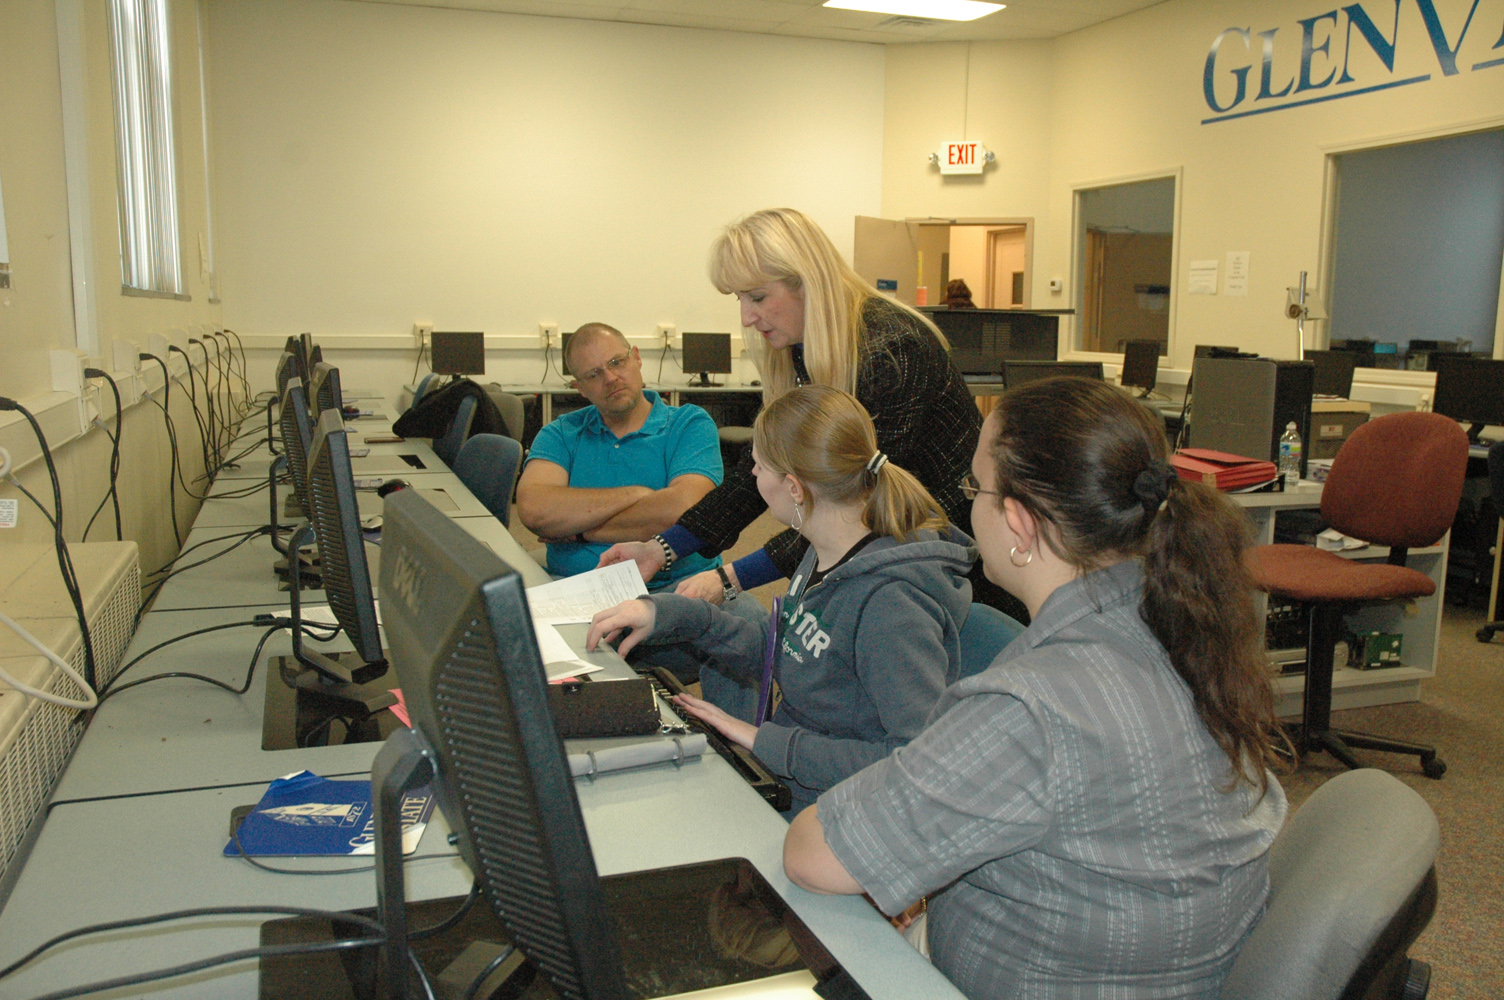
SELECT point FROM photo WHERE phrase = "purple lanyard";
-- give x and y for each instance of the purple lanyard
(770, 652)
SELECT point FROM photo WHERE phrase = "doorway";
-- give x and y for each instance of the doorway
(993, 256)
(1125, 260)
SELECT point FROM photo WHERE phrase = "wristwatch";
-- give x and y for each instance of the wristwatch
(728, 590)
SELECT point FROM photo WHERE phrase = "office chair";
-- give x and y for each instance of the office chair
(488, 465)
(512, 407)
(448, 446)
(1396, 482)
(429, 381)
(1496, 491)
(1352, 883)
(984, 634)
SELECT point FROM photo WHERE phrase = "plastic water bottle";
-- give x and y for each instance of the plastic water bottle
(1289, 455)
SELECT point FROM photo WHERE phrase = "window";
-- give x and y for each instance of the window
(1125, 252)
(1419, 244)
(150, 256)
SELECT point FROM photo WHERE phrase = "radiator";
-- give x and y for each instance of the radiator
(37, 738)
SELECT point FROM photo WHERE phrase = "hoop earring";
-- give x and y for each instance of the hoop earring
(799, 511)
(1013, 557)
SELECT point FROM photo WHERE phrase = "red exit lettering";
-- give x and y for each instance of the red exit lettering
(960, 153)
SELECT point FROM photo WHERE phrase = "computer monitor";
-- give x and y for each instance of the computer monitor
(323, 390)
(707, 353)
(1141, 364)
(1334, 372)
(1470, 390)
(287, 367)
(981, 339)
(1017, 373)
(459, 353)
(297, 438)
(1214, 351)
(305, 355)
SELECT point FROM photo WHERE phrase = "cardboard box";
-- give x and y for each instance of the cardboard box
(1371, 650)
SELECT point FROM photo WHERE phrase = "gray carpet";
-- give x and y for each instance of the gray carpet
(1461, 713)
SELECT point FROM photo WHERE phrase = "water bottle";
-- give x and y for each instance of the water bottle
(1289, 455)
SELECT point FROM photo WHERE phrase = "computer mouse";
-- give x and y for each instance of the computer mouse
(392, 486)
(756, 381)
(372, 523)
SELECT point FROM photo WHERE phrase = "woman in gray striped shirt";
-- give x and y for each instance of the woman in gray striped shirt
(1091, 816)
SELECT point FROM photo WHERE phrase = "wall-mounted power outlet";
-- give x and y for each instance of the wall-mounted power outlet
(668, 333)
(548, 334)
(126, 355)
(423, 334)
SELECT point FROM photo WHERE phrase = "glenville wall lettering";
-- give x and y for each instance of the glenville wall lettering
(1333, 44)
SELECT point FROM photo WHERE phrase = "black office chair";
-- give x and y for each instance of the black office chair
(1496, 491)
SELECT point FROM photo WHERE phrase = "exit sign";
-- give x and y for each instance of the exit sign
(963, 158)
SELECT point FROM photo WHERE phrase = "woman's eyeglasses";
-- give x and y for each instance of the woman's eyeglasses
(613, 365)
(970, 487)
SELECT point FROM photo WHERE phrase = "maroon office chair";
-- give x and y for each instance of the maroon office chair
(1396, 482)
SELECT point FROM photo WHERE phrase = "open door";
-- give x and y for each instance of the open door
(901, 256)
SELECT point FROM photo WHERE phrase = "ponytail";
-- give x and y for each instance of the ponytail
(1093, 463)
(824, 437)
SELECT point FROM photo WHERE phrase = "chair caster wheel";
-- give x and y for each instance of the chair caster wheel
(1485, 634)
(1433, 767)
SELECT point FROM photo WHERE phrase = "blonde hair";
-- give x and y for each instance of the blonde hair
(784, 244)
(824, 438)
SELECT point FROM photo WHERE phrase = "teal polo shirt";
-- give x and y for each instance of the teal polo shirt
(674, 441)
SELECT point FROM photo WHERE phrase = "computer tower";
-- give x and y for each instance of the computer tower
(1243, 405)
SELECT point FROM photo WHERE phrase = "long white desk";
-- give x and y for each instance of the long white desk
(140, 819)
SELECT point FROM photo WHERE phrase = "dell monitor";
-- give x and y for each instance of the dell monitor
(461, 641)
(1334, 372)
(297, 438)
(1470, 390)
(708, 354)
(1017, 373)
(459, 353)
(323, 391)
(1140, 365)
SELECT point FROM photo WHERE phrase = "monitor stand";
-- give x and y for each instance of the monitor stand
(704, 382)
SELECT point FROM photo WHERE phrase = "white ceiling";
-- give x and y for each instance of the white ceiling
(808, 19)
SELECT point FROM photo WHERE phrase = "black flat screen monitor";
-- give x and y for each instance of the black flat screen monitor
(1470, 390)
(461, 641)
(1017, 373)
(1141, 364)
(1334, 372)
(707, 353)
(287, 365)
(323, 390)
(297, 437)
(459, 353)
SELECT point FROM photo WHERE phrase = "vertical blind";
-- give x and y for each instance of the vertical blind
(150, 256)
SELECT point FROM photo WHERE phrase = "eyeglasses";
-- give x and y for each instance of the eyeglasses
(614, 365)
(970, 487)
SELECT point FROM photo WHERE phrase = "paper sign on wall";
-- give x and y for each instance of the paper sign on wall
(1237, 272)
(1203, 278)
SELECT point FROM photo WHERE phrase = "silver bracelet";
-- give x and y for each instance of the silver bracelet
(668, 552)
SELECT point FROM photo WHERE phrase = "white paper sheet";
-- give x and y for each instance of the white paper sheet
(559, 659)
(1203, 277)
(576, 599)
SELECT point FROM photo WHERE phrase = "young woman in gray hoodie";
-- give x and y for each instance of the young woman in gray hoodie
(868, 634)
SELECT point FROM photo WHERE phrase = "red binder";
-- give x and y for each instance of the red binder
(1221, 469)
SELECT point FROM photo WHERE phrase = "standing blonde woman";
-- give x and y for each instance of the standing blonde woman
(869, 634)
(808, 318)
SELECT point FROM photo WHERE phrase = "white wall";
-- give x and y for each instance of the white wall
(1124, 99)
(378, 165)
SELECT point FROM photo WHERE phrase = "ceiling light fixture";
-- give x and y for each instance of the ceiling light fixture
(943, 10)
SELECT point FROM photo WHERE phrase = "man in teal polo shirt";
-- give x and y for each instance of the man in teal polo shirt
(621, 469)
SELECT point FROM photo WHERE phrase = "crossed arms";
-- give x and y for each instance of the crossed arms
(552, 509)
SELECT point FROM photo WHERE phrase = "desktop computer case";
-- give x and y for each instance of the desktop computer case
(1242, 405)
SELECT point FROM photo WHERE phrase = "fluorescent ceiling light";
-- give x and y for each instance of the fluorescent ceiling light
(944, 10)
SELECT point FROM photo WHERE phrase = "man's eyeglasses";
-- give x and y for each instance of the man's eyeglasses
(970, 487)
(614, 365)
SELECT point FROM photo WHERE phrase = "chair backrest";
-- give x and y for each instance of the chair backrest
(983, 635)
(1351, 885)
(428, 382)
(512, 407)
(1496, 474)
(448, 446)
(488, 465)
(1397, 480)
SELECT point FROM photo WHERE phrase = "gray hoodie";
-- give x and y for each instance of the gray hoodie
(862, 655)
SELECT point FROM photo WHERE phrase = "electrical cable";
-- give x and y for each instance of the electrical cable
(156, 585)
(203, 433)
(60, 543)
(484, 974)
(114, 491)
(272, 627)
(264, 529)
(172, 436)
(211, 404)
(90, 699)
